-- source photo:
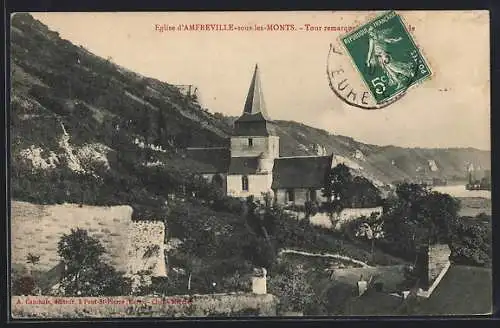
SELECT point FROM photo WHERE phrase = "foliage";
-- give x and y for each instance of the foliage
(85, 273)
(471, 242)
(415, 217)
(292, 288)
(311, 208)
(335, 188)
(343, 190)
(216, 246)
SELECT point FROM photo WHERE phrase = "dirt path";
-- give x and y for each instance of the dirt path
(334, 256)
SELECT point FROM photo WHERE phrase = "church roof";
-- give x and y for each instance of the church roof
(300, 172)
(254, 128)
(210, 160)
(254, 119)
(254, 104)
(244, 165)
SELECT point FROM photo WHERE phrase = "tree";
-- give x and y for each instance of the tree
(32, 259)
(260, 218)
(371, 230)
(471, 242)
(418, 217)
(336, 189)
(85, 273)
(362, 193)
(292, 288)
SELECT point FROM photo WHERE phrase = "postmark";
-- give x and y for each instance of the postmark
(383, 56)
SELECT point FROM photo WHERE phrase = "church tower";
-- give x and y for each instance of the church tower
(254, 147)
(254, 132)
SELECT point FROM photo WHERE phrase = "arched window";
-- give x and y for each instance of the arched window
(244, 183)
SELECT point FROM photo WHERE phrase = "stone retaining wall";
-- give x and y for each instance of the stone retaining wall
(122, 306)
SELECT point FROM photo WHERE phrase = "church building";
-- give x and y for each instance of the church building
(253, 166)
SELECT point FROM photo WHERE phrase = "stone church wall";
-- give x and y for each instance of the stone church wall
(268, 145)
(257, 184)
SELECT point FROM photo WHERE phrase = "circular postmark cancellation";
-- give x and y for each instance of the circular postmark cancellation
(374, 65)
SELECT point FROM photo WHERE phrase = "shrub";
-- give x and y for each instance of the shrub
(292, 288)
(86, 274)
(23, 285)
(311, 208)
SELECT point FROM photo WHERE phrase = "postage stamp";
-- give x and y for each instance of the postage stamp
(386, 56)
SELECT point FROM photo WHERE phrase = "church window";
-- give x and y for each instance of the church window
(250, 142)
(312, 195)
(290, 195)
(244, 183)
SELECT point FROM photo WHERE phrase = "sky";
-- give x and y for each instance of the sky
(452, 109)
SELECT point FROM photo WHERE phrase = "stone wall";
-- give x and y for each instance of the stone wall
(37, 229)
(146, 249)
(439, 258)
(346, 215)
(123, 306)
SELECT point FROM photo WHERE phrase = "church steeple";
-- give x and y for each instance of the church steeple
(254, 103)
(254, 119)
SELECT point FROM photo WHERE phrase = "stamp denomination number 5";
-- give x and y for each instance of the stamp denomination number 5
(379, 84)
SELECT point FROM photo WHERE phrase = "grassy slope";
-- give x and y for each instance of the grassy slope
(53, 78)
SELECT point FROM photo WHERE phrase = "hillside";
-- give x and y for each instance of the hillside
(74, 110)
(70, 104)
(385, 163)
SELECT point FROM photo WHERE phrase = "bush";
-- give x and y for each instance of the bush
(471, 242)
(228, 204)
(86, 274)
(292, 288)
(24, 285)
(311, 208)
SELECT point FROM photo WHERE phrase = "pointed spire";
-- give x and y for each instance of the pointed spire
(254, 103)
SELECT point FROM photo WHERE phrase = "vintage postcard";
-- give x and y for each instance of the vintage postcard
(244, 164)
